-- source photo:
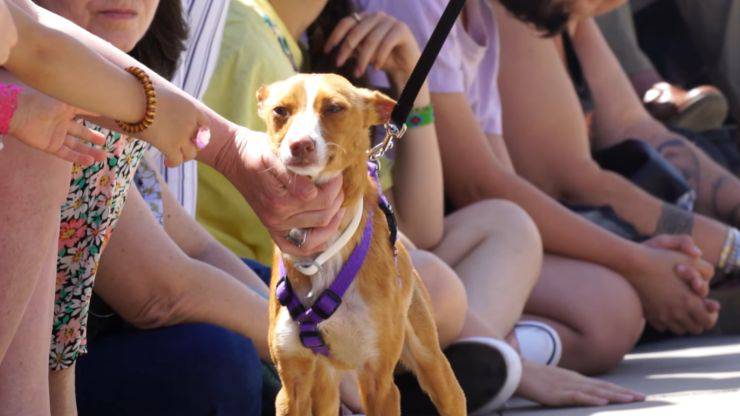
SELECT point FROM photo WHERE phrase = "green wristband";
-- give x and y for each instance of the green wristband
(420, 116)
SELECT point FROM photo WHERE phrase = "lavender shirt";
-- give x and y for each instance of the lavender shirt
(469, 60)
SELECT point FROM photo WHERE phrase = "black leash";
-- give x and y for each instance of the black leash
(397, 126)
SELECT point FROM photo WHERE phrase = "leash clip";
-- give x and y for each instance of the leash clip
(392, 132)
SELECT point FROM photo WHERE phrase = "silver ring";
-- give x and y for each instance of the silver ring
(297, 237)
(357, 17)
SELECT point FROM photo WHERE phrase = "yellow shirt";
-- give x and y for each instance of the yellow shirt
(250, 56)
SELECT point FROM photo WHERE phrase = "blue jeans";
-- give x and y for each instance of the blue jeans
(189, 369)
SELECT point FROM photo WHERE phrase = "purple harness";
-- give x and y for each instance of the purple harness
(330, 299)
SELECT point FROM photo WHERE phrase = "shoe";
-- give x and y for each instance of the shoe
(699, 109)
(538, 342)
(487, 369)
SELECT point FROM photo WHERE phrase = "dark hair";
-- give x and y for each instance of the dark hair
(318, 33)
(548, 16)
(161, 46)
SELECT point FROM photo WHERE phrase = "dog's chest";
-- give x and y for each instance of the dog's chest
(350, 333)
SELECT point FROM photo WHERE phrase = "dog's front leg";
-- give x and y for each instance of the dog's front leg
(423, 355)
(380, 396)
(325, 394)
(297, 378)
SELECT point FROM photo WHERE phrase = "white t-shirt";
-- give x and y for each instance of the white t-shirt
(469, 60)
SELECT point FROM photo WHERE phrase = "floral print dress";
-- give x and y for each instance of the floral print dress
(94, 203)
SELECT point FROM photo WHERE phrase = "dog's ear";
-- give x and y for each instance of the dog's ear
(262, 94)
(378, 107)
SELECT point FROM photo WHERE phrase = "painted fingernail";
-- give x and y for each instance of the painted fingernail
(681, 268)
(202, 138)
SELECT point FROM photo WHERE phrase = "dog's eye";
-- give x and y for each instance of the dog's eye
(281, 111)
(333, 108)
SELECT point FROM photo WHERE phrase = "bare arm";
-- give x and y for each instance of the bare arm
(472, 173)
(8, 32)
(151, 282)
(417, 192)
(618, 115)
(198, 244)
(281, 201)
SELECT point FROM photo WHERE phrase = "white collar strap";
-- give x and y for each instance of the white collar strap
(310, 268)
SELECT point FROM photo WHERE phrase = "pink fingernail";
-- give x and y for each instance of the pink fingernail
(202, 138)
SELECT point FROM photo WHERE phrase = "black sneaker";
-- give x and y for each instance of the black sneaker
(487, 369)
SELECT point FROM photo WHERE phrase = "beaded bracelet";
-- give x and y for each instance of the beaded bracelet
(8, 105)
(420, 116)
(151, 103)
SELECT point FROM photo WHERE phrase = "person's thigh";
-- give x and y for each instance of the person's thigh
(596, 312)
(446, 293)
(495, 248)
(32, 188)
(189, 369)
(24, 387)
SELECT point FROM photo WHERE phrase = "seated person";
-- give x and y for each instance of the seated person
(618, 115)
(477, 166)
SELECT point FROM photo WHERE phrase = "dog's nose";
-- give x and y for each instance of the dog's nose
(302, 147)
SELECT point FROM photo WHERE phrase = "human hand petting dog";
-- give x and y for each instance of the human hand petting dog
(49, 125)
(282, 200)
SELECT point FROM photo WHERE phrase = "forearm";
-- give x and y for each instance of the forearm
(617, 106)
(217, 255)
(563, 232)
(150, 282)
(588, 184)
(69, 69)
(417, 182)
(175, 107)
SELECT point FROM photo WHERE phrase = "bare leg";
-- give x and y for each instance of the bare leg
(33, 186)
(24, 389)
(447, 294)
(596, 312)
(496, 250)
(62, 391)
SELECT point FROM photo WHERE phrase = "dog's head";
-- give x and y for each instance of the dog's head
(318, 123)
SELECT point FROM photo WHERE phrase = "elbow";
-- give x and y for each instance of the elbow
(162, 307)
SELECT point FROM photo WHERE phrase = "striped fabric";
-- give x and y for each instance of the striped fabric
(206, 20)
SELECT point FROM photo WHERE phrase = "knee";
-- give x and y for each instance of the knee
(612, 333)
(508, 222)
(449, 301)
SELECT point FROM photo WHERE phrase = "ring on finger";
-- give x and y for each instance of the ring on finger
(357, 17)
(297, 237)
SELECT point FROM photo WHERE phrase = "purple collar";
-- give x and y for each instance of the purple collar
(328, 302)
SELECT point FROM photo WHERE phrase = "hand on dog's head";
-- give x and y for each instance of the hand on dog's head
(319, 123)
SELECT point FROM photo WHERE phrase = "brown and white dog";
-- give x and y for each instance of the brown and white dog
(319, 126)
